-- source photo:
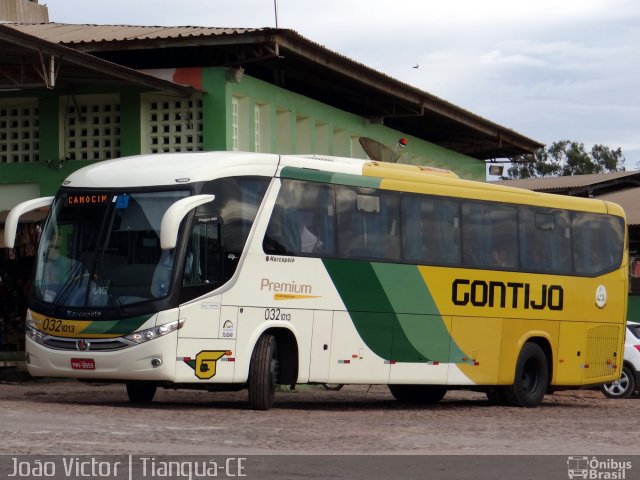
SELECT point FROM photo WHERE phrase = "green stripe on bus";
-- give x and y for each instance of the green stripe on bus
(392, 310)
(308, 174)
(311, 175)
(356, 181)
(121, 327)
(358, 285)
(405, 288)
(420, 325)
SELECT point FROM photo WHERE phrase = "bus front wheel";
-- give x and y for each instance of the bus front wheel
(141, 392)
(263, 373)
(531, 378)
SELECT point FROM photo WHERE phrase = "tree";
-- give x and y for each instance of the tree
(567, 158)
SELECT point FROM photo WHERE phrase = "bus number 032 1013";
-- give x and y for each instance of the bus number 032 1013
(276, 314)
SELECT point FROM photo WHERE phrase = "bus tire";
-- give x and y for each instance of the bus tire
(621, 388)
(263, 373)
(141, 392)
(531, 378)
(425, 394)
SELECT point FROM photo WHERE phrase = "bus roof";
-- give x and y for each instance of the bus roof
(420, 179)
(170, 169)
(165, 168)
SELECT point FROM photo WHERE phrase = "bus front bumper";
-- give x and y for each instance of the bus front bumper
(154, 360)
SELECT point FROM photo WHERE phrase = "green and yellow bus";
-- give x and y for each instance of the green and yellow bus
(226, 270)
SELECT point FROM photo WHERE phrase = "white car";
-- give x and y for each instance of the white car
(630, 378)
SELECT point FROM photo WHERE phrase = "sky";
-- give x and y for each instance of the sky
(549, 69)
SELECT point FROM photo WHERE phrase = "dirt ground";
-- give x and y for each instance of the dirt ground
(69, 417)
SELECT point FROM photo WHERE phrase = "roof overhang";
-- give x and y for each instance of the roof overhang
(285, 58)
(628, 200)
(586, 185)
(31, 63)
(398, 105)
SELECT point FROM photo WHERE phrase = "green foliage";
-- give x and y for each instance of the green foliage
(567, 158)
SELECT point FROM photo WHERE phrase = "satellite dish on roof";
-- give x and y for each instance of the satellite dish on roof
(382, 153)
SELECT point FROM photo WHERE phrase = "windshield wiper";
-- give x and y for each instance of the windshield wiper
(102, 281)
(75, 277)
(104, 234)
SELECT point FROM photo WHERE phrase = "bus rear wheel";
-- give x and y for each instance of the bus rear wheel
(531, 378)
(425, 394)
(141, 392)
(263, 373)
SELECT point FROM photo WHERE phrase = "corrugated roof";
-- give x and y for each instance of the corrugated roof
(547, 184)
(365, 91)
(19, 51)
(72, 34)
(628, 199)
(616, 187)
(85, 34)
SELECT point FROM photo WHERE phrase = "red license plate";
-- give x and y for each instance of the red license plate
(83, 364)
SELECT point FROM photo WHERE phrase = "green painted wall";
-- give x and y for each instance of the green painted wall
(255, 91)
(215, 111)
(49, 128)
(130, 125)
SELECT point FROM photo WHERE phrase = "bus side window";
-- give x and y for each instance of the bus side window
(302, 222)
(230, 219)
(545, 240)
(489, 235)
(597, 241)
(431, 230)
(368, 222)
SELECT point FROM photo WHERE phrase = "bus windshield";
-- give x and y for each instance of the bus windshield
(102, 249)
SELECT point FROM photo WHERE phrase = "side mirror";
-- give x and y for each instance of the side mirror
(174, 215)
(11, 223)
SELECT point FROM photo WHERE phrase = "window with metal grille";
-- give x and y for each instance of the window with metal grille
(92, 127)
(19, 131)
(257, 137)
(262, 127)
(240, 122)
(173, 125)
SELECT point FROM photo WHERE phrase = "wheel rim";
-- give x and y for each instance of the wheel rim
(619, 387)
(530, 376)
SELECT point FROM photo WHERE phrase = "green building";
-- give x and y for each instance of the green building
(72, 95)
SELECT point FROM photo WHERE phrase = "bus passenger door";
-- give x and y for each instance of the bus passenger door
(321, 346)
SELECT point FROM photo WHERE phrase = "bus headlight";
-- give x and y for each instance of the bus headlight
(154, 332)
(34, 334)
